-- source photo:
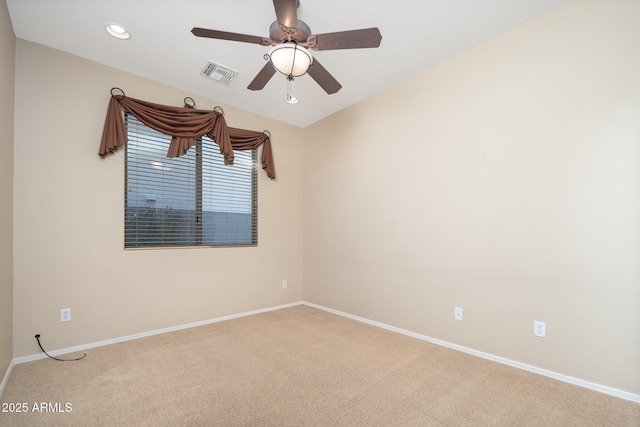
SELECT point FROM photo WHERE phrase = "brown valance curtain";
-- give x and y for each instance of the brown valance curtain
(184, 125)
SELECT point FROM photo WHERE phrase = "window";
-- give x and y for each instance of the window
(192, 200)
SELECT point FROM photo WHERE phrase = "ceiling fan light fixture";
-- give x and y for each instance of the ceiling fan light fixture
(290, 59)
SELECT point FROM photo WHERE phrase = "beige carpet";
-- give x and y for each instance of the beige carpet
(297, 367)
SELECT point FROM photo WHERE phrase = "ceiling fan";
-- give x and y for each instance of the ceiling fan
(291, 40)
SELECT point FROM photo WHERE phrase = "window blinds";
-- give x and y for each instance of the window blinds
(190, 200)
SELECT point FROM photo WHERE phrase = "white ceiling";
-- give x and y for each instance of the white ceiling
(416, 34)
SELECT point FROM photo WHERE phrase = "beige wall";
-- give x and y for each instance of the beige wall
(505, 181)
(7, 66)
(69, 211)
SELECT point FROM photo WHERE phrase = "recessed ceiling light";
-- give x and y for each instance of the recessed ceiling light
(118, 31)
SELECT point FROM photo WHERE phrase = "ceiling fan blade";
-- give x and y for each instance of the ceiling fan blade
(263, 77)
(323, 78)
(286, 12)
(354, 39)
(223, 35)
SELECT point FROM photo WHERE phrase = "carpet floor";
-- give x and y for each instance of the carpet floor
(297, 366)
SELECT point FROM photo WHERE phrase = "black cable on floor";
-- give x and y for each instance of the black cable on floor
(55, 358)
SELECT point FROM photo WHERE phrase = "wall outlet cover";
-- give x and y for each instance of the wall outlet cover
(539, 329)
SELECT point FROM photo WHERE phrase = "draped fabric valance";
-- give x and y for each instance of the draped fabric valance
(184, 125)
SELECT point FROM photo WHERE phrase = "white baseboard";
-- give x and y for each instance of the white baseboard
(561, 377)
(39, 356)
(6, 376)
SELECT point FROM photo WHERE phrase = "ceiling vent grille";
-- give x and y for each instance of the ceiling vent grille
(219, 73)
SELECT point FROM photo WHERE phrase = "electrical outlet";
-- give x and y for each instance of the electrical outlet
(284, 284)
(65, 314)
(539, 329)
(457, 313)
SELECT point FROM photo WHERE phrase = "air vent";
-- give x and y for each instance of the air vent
(219, 73)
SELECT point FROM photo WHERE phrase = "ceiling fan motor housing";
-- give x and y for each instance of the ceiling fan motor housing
(281, 34)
